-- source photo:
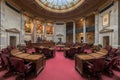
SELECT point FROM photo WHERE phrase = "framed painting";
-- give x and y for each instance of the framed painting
(106, 20)
(27, 27)
(49, 30)
(39, 29)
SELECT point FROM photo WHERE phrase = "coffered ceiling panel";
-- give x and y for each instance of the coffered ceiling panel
(60, 13)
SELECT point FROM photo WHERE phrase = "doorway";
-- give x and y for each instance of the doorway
(12, 40)
(105, 41)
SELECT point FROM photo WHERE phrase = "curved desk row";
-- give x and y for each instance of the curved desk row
(80, 58)
(37, 59)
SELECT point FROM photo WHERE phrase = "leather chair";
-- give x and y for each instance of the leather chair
(94, 68)
(112, 63)
(112, 52)
(47, 53)
(108, 48)
(71, 53)
(79, 48)
(6, 62)
(19, 66)
(52, 52)
(117, 53)
(38, 50)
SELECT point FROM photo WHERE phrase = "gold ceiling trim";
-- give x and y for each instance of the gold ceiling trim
(60, 10)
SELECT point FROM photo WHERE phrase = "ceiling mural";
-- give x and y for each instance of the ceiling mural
(60, 6)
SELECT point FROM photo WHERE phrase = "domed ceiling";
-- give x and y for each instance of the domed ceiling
(60, 6)
(60, 9)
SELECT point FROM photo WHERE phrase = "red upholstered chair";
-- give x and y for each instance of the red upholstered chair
(38, 50)
(31, 50)
(19, 66)
(6, 64)
(47, 53)
(117, 53)
(95, 67)
(6, 61)
(1, 60)
(88, 48)
(79, 48)
(71, 53)
(112, 64)
(82, 49)
(88, 51)
(112, 53)
(116, 65)
(52, 52)
(108, 48)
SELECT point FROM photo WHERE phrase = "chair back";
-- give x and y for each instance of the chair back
(98, 64)
(45, 50)
(18, 64)
(117, 53)
(72, 50)
(108, 48)
(116, 60)
(112, 52)
(6, 59)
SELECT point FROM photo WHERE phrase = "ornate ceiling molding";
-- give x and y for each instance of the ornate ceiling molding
(86, 8)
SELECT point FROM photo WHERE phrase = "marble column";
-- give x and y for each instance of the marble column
(34, 28)
(84, 31)
(119, 24)
(3, 34)
(22, 33)
(74, 34)
(96, 29)
(45, 24)
(0, 26)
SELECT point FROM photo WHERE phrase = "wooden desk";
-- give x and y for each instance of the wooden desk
(60, 46)
(37, 59)
(66, 49)
(79, 61)
(81, 58)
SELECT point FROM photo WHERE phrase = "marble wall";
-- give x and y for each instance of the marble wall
(111, 29)
(10, 19)
(60, 29)
(119, 23)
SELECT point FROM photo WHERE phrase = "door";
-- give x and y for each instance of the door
(12, 40)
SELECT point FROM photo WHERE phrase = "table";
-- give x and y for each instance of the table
(60, 46)
(37, 59)
(81, 58)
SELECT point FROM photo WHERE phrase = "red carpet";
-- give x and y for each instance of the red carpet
(60, 68)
